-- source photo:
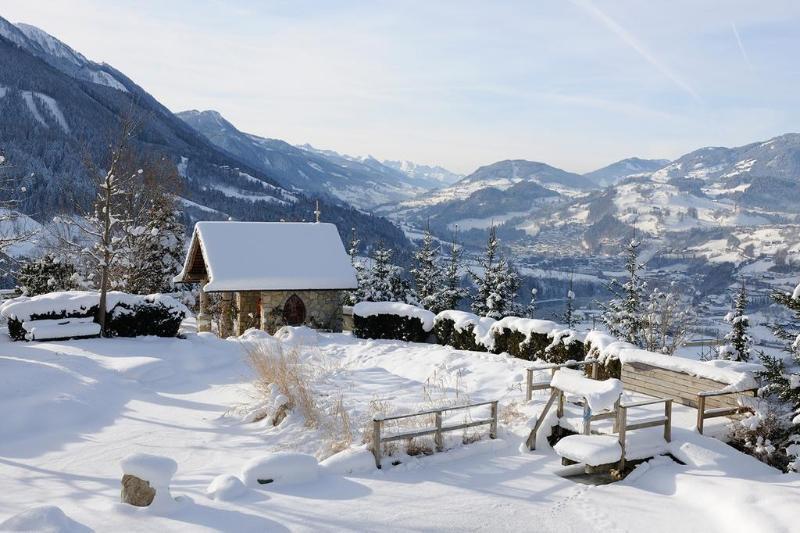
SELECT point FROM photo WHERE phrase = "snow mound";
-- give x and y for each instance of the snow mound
(365, 309)
(155, 469)
(592, 450)
(600, 395)
(280, 467)
(226, 488)
(44, 519)
(297, 336)
(350, 461)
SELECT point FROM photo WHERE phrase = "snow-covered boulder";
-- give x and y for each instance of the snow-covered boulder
(282, 468)
(353, 460)
(226, 488)
(146, 478)
(391, 320)
(297, 336)
(44, 519)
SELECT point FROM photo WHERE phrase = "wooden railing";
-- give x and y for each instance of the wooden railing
(377, 427)
(703, 413)
(623, 427)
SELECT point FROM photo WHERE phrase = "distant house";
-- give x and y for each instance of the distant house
(269, 274)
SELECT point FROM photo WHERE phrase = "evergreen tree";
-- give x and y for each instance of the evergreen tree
(623, 314)
(782, 375)
(496, 287)
(352, 297)
(453, 292)
(569, 312)
(530, 310)
(427, 273)
(159, 249)
(738, 343)
(383, 282)
(48, 273)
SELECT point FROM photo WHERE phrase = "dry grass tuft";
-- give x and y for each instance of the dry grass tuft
(283, 369)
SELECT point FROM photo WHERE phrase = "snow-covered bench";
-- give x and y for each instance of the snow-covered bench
(714, 388)
(601, 400)
(64, 328)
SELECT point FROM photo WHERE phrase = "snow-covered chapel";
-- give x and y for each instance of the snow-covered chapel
(269, 274)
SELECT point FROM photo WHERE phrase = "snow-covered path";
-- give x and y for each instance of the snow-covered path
(73, 409)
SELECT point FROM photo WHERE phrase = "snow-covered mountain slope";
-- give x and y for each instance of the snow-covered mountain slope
(492, 193)
(633, 166)
(59, 55)
(56, 107)
(432, 176)
(364, 183)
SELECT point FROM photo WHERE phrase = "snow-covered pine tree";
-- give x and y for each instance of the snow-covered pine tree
(623, 314)
(453, 292)
(427, 274)
(530, 310)
(782, 374)
(383, 282)
(48, 273)
(497, 284)
(353, 297)
(568, 318)
(737, 344)
(159, 249)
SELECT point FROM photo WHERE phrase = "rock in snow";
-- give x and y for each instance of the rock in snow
(44, 519)
(146, 478)
(280, 467)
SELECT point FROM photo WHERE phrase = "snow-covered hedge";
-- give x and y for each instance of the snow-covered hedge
(391, 320)
(531, 339)
(462, 330)
(155, 314)
(54, 315)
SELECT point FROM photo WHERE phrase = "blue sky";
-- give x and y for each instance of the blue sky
(577, 84)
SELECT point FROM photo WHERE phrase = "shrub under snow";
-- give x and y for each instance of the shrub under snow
(64, 315)
(531, 339)
(462, 330)
(391, 320)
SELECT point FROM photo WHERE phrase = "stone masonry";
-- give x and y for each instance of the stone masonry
(323, 309)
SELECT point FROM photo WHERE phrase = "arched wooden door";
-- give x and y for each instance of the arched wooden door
(294, 311)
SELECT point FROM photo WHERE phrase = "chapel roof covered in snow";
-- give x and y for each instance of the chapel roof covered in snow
(244, 256)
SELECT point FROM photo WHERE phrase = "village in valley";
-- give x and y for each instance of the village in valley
(207, 330)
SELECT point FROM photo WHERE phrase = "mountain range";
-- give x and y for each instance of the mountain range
(58, 107)
(719, 204)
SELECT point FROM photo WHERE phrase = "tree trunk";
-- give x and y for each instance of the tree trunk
(106, 244)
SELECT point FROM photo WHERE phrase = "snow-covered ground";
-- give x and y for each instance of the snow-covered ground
(73, 410)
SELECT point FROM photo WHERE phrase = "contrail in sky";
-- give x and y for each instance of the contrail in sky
(639, 48)
(741, 46)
